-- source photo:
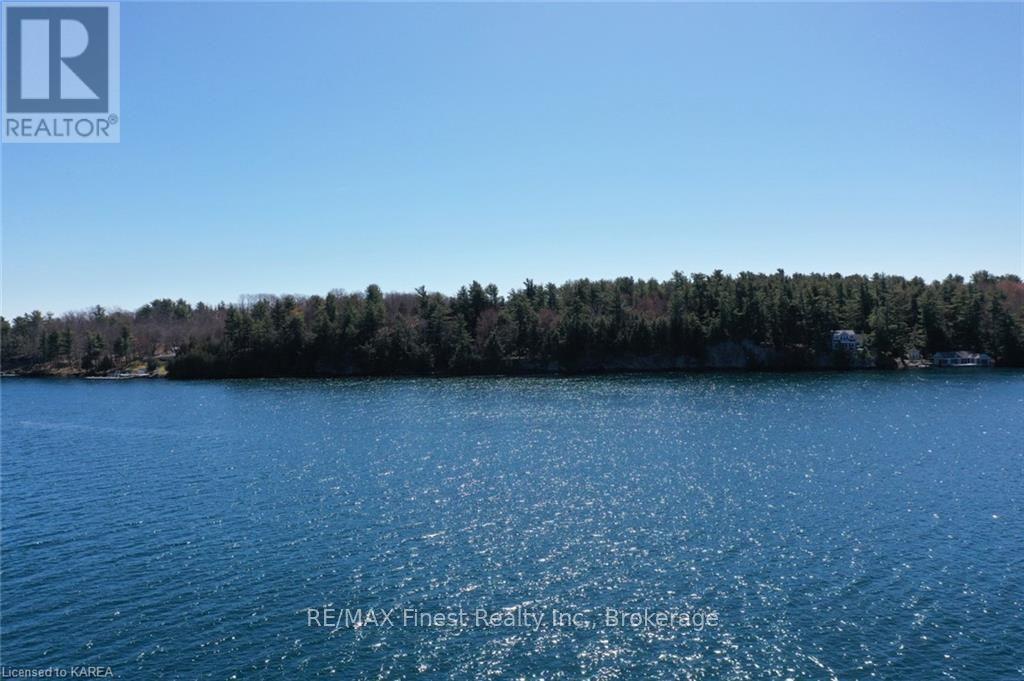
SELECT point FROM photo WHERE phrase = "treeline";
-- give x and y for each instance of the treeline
(99, 340)
(753, 320)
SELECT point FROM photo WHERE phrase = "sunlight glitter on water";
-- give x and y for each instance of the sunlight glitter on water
(841, 526)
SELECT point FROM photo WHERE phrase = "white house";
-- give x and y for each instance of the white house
(845, 339)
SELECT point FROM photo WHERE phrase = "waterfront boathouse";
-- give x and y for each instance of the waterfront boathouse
(962, 358)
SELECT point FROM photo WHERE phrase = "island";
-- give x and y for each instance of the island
(748, 321)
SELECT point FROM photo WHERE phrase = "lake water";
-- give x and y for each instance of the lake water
(847, 526)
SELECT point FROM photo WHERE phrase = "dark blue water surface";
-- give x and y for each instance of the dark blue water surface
(846, 526)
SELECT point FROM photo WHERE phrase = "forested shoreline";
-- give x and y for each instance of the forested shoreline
(748, 321)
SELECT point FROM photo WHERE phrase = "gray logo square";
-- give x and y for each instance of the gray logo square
(57, 59)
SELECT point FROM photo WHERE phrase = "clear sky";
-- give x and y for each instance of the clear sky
(299, 148)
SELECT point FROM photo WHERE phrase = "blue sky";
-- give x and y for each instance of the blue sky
(300, 148)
